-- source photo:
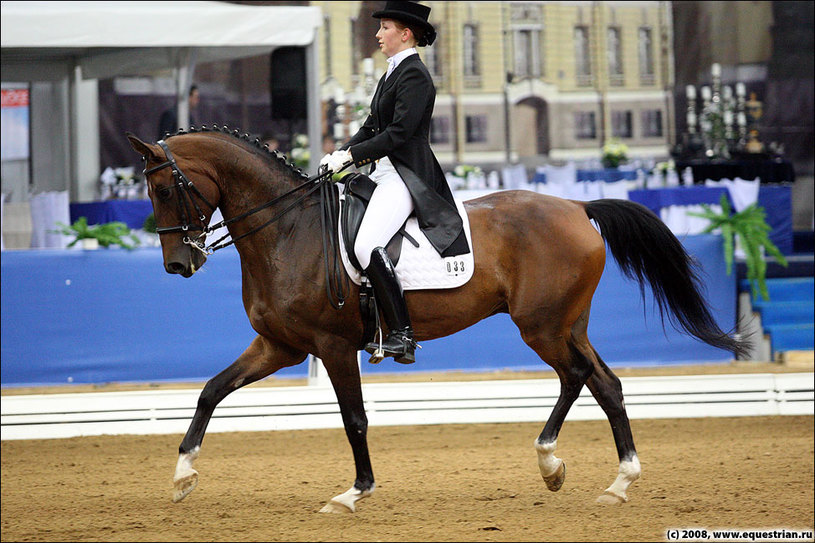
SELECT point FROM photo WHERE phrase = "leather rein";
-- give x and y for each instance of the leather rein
(335, 287)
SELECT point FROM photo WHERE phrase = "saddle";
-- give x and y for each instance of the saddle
(357, 195)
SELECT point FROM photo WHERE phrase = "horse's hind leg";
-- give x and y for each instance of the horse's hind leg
(607, 390)
(262, 358)
(573, 369)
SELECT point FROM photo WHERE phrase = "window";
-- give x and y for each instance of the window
(527, 53)
(646, 57)
(471, 65)
(615, 57)
(476, 128)
(585, 128)
(440, 130)
(621, 124)
(432, 56)
(652, 123)
(582, 56)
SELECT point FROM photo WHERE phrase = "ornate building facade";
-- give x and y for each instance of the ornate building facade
(521, 81)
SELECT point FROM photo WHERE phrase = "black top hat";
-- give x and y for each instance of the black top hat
(411, 14)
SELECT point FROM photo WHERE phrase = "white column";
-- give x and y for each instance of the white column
(85, 166)
(313, 106)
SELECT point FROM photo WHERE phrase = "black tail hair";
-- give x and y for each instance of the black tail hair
(646, 250)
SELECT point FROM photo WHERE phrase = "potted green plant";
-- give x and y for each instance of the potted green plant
(107, 234)
(751, 228)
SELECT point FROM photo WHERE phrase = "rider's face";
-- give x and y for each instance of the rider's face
(391, 38)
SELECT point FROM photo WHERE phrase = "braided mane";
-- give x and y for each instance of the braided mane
(245, 139)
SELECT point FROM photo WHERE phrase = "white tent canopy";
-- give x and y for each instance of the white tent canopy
(80, 42)
(107, 39)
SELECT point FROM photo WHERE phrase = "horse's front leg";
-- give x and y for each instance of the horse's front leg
(344, 373)
(260, 359)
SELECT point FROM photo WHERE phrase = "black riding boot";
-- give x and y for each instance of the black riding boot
(399, 343)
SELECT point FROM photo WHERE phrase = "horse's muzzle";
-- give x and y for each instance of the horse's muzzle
(183, 264)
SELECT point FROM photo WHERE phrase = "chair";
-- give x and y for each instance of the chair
(561, 175)
(615, 189)
(47, 209)
(743, 192)
(514, 177)
(681, 224)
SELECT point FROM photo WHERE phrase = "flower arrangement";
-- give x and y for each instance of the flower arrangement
(300, 153)
(615, 153)
(463, 171)
(662, 169)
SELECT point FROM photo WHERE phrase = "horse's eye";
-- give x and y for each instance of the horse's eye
(164, 193)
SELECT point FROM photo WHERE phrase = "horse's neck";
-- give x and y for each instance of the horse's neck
(293, 233)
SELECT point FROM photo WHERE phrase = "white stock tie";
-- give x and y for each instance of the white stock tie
(391, 65)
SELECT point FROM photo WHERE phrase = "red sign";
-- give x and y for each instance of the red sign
(15, 97)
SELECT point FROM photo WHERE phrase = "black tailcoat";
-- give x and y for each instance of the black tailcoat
(399, 128)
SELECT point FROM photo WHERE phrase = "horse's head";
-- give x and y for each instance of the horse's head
(184, 196)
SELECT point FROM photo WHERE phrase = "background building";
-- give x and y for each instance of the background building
(527, 81)
(531, 82)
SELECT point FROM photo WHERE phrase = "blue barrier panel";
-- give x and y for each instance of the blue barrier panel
(115, 316)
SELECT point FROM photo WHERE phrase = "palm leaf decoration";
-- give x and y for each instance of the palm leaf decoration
(750, 225)
(111, 233)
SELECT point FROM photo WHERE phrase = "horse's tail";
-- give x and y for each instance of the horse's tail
(646, 249)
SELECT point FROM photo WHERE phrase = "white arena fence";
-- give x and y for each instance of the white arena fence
(44, 416)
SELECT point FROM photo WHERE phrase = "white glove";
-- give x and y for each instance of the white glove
(336, 160)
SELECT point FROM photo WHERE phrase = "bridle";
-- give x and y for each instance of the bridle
(187, 190)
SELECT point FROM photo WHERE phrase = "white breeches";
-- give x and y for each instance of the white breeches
(387, 211)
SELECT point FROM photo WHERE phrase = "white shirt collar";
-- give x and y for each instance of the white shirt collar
(399, 57)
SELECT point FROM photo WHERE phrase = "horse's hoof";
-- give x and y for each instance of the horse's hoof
(555, 481)
(184, 485)
(336, 507)
(608, 498)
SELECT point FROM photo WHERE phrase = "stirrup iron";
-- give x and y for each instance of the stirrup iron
(379, 354)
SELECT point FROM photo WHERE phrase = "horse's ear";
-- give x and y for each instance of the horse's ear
(139, 146)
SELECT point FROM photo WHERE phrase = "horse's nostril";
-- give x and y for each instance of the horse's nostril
(175, 267)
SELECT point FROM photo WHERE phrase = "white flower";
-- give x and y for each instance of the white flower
(301, 140)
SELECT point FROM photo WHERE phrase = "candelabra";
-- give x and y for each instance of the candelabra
(722, 125)
(716, 112)
(690, 91)
(741, 116)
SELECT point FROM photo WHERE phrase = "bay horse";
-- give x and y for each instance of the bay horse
(538, 258)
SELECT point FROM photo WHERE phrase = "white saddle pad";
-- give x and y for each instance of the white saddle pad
(422, 267)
